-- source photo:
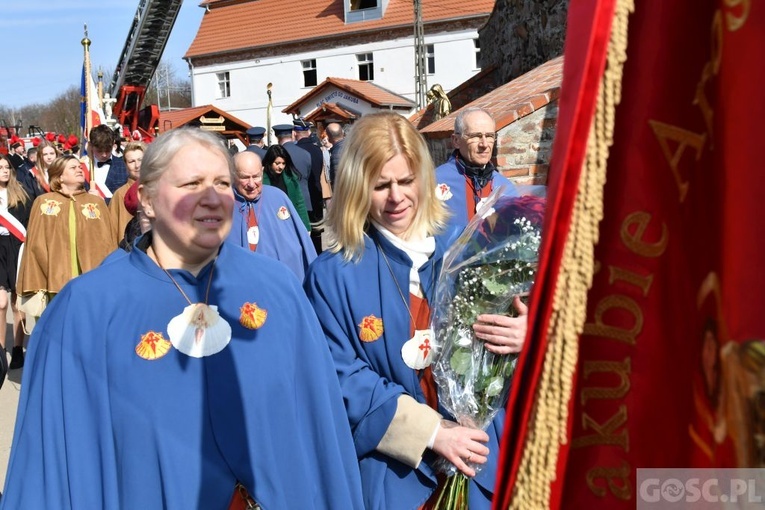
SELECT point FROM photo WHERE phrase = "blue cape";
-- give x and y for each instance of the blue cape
(99, 426)
(283, 239)
(373, 373)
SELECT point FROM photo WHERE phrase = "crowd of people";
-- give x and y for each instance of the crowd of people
(239, 347)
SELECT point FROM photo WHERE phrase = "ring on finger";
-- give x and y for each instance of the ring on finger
(470, 456)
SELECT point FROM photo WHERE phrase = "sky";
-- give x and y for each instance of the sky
(43, 44)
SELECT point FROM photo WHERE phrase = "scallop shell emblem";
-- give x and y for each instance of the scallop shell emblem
(152, 346)
(371, 328)
(443, 191)
(252, 316)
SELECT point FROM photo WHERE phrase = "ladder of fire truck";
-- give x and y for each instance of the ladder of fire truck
(140, 57)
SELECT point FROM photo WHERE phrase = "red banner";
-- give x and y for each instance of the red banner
(671, 368)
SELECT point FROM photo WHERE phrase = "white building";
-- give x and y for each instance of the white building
(242, 46)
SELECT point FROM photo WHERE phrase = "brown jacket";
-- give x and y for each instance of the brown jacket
(119, 214)
(47, 262)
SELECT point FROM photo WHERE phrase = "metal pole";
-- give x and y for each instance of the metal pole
(420, 68)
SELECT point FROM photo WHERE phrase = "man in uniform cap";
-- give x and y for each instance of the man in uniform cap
(17, 153)
(303, 140)
(255, 137)
(301, 160)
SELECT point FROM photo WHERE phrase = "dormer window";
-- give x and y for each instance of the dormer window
(363, 4)
(364, 10)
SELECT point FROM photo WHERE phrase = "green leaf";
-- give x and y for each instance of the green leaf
(495, 386)
(461, 361)
(495, 285)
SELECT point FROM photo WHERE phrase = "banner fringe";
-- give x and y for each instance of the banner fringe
(548, 428)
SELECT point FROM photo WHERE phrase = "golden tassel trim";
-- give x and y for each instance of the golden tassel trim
(548, 427)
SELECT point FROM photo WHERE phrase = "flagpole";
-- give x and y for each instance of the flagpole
(269, 108)
(88, 104)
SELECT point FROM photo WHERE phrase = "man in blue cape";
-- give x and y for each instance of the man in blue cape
(265, 219)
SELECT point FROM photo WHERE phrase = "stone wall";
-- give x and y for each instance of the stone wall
(523, 34)
(524, 147)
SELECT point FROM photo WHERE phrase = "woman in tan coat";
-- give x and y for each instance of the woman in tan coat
(69, 232)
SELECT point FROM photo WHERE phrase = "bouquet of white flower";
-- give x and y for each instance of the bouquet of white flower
(493, 260)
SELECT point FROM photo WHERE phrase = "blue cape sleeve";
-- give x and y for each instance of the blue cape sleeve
(62, 433)
(370, 399)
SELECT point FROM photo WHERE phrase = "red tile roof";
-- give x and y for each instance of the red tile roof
(177, 118)
(239, 25)
(366, 90)
(513, 100)
(331, 110)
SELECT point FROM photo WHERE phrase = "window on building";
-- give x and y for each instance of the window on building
(477, 44)
(366, 67)
(309, 72)
(430, 55)
(363, 4)
(224, 85)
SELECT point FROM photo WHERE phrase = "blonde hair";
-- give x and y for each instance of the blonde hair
(16, 192)
(134, 146)
(373, 141)
(160, 153)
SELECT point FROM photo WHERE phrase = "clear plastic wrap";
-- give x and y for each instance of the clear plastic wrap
(494, 259)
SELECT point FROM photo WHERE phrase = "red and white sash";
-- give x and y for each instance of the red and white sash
(13, 225)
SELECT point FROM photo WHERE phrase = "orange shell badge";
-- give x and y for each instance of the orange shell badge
(371, 328)
(50, 207)
(91, 211)
(252, 317)
(152, 346)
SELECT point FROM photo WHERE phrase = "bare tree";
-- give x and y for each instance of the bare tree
(167, 90)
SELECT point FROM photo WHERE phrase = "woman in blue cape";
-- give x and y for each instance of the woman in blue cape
(371, 291)
(171, 375)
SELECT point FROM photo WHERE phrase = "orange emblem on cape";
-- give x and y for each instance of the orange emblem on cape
(152, 346)
(252, 317)
(371, 328)
(50, 207)
(91, 211)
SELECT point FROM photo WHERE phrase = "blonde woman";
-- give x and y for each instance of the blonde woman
(133, 156)
(371, 291)
(14, 215)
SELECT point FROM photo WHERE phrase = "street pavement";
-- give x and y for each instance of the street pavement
(9, 400)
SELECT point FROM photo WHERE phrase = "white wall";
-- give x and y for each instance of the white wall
(393, 70)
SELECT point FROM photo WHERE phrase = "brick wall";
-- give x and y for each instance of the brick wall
(524, 147)
(523, 34)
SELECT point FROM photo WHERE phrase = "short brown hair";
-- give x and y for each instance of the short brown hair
(57, 168)
(102, 138)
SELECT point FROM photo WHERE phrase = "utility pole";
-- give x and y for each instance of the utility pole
(420, 69)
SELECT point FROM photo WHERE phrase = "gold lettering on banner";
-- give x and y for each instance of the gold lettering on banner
(684, 138)
(600, 328)
(620, 369)
(617, 479)
(736, 21)
(639, 281)
(604, 433)
(634, 241)
(711, 69)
